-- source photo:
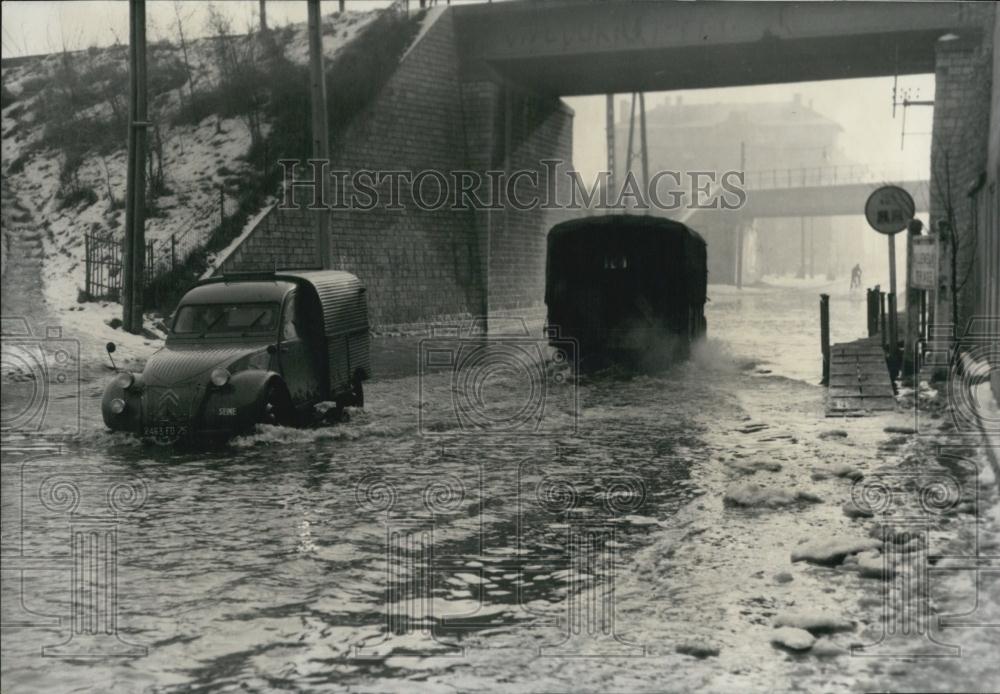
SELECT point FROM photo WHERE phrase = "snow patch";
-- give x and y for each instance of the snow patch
(753, 495)
(813, 621)
(430, 19)
(795, 639)
(832, 550)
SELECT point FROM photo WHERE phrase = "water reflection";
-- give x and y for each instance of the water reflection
(368, 543)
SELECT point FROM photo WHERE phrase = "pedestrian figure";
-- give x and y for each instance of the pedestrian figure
(856, 276)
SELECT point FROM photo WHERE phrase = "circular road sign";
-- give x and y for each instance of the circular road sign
(889, 209)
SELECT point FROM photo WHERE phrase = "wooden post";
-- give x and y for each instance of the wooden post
(893, 335)
(87, 265)
(893, 338)
(134, 250)
(824, 332)
(141, 115)
(173, 252)
(876, 301)
(320, 127)
(912, 334)
(125, 293)
(881, 312)
(222, 205)
(923, 315)
(869, 303)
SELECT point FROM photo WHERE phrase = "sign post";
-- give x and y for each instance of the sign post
(924, 263)
(889, 210)
(922, 274)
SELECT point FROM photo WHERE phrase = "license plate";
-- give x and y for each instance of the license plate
(164, 433)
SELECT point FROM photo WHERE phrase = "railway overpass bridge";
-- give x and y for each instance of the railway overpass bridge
(830, 191)
(823, 191)
(574, 47)
(480, 90)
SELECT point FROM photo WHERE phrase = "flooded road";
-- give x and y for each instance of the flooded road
(404, 550)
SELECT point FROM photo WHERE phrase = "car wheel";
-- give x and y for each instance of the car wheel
(275, 408)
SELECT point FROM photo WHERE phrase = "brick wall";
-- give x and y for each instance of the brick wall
(288, 242)
(959, 152)
(423, 264)
(538, 129)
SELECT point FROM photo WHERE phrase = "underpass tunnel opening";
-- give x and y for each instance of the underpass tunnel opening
(808, 154)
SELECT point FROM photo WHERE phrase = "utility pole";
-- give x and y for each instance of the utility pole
(630, 154)
(739, 229)
(609, 119)
(645, 142)
(134, 247)
(320, 128)
(893, 304)
(263, 17)
(802, 247)
(812, 247)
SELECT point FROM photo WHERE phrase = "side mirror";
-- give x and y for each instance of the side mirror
(110, 347)
(272, 349)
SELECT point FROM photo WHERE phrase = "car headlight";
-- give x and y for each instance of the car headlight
(117, 406)
(124, 380)
(220, 377)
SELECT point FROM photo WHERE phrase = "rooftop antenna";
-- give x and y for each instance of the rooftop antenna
(906, 101)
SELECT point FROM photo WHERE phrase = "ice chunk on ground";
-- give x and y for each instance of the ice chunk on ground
(825, 648)
(793, 638)
(753, 495)
(813, 621)
(699, 649)
(871, 564)
(852, 510)
(830, 551)
(837, 470)
(751, 467)
(845, 470)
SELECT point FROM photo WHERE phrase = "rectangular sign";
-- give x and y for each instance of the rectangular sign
(923, 263)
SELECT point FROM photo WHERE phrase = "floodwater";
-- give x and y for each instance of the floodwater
(409, 550)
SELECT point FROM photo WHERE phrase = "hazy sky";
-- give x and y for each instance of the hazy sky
(863, 107)
(41, 27)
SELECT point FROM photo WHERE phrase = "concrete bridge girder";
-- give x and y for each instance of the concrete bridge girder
(585, 47)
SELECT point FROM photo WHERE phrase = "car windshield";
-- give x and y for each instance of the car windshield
(258, 318)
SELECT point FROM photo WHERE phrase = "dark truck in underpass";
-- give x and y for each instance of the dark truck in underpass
(627, 288)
